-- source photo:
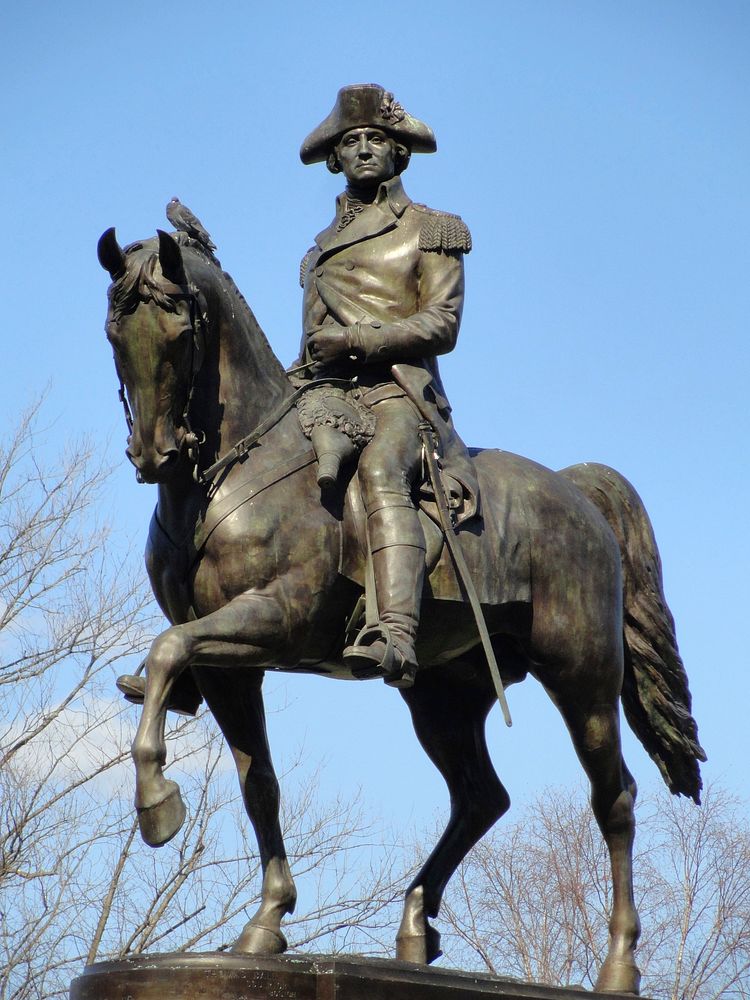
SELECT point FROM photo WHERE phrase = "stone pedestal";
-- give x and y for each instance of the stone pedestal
(219, 976)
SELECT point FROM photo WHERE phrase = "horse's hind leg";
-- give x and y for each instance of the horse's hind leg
(449, 720)
(236, 702)
(590, 708)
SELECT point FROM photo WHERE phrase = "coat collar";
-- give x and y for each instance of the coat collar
(393, 192)
(385, 212)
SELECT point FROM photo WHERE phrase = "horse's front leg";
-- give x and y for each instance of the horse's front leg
(236, 702)
(161, 811)
(243, 633)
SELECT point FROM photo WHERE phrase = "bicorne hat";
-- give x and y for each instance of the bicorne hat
(364, 104)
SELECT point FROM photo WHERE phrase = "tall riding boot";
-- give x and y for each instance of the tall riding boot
(398, 557)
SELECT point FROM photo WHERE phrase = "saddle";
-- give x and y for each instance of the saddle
(492, 541)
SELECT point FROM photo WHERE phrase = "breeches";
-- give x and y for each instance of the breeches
(390, 466)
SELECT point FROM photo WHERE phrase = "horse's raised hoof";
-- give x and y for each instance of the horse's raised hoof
(258, 940)
(419, 948)
(618, 975)
(160, 822)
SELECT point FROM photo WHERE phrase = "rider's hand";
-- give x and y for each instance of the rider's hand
(328, 343)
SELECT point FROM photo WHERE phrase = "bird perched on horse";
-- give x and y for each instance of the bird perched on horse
(183, 219)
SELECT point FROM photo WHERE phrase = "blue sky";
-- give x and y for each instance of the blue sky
(598, 152)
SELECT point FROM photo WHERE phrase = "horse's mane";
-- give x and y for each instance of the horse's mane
(234, 291)
(139, 282)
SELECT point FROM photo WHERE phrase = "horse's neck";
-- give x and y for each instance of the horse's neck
(251, 382)
(240, 385)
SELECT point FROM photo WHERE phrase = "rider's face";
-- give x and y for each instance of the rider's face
(367, 156)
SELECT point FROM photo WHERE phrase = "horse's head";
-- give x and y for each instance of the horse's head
(156, 326)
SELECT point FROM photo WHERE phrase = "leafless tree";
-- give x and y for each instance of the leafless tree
(531, 900)
(700, 929)
(71, 607)
(76, 883)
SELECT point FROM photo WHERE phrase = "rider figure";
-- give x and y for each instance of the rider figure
(383, 294)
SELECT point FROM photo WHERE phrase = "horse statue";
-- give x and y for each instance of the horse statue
(257, 570)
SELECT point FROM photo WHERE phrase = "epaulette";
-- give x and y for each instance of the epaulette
(443, 231)
(304, 265)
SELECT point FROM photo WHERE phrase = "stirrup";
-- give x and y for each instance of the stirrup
(365, 659)
(373, 654)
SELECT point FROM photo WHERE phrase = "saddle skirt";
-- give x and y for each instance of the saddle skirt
(495, 542)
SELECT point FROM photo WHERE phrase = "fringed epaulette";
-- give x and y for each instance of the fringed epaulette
(304, 264)
(443, 231)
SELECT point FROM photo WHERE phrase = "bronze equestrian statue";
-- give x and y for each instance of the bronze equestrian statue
(259, 568)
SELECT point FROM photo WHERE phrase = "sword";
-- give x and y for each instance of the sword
(427, 433)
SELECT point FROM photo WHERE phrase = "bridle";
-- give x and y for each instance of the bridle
(199, 324)
(195, 438)
(198, 312)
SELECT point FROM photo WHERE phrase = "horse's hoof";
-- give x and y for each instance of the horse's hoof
(258, 940)
(160, 822)
(419, 948)
(619, 976)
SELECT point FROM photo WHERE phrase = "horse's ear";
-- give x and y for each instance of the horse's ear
(170, 258)
(110, 255)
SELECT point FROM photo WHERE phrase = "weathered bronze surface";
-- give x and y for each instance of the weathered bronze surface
(257, 567)
(217, 976)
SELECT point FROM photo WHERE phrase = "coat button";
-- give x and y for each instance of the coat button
(349, 265)
(319, 271)
(375, 324)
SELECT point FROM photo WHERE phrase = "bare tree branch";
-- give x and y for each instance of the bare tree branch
(76, 883)
(532, 899)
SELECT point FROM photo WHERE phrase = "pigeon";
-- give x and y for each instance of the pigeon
(183, 219)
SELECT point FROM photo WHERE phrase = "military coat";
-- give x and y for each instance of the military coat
(394, 278)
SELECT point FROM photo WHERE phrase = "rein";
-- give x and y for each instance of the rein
(244, 445)
(195, 438)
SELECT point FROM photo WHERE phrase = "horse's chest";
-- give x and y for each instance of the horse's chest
(270, 549)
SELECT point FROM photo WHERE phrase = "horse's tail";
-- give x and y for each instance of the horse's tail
(655, 695)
